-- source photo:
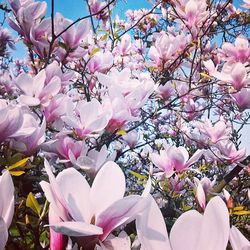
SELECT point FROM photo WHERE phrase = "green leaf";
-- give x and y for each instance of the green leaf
(17, 173)
(137, 175)
(94, 51)
(20, 163)
(32, 203)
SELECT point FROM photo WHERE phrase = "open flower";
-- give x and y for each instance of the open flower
(173, 159)
(84, 120)
(94, 211)
(11, 119)
(35, 92)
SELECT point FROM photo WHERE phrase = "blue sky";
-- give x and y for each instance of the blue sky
(74, 9)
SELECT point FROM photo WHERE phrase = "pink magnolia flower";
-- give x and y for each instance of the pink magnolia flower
(96, 6)
(30, 136)
(73, 35)
(6, 206)
(166, 90)
(124, 46)
(120, 111)
(66, 148)
(40, 36)
(56, 109)
(95, 211)
(215, 133)
(100, 62)
(238, 240)
(125, 84)
(191, 231)
(131, 138)
(35, 92)
(229, 152)
(202, 188)
(242, 98)
(93, 161)
(167, 47)
(27, 14)
(239, 52)
(235, 74)
(54, 69)
(174, 159)
(84, 120)
(11, 120)
(17, 4)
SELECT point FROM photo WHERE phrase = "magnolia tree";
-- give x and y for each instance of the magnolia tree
(125, 133)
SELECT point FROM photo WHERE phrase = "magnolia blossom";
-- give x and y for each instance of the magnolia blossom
(239, 52)
(92, 161)
(84, 120)
(56, 109)
(166, 90)
(229, 152)
(100, 62)
(131, 138)
(6, 206)
(11, 119)
(242, 98)
(166, 47)
(30, 136)
(94, 211)
(126, 85)
(191, 231)
(215, 133)
(35, 92)
(124, 45)
(40, 36)
(202, 188)
(235, 75)
(66, 148)
(193, 12)
(27, 14)
(174, 159)
(73, 35)
(121, 112)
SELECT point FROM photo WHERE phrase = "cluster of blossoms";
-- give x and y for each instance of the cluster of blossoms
(125, 134)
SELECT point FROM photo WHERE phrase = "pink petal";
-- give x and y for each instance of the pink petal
(38, 83)
(238, 240)
(108, 187)
(6, 197)
(29, 100)
(238, 74)
(151, 228)
(72, 228)
(195, 157)
(215, 224)
(3, 233)
(185, 231)
(75, 190)
(120, 212)
(200, 195)
(25, 83)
